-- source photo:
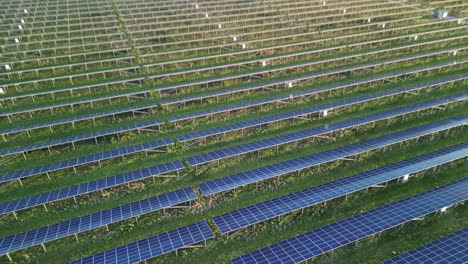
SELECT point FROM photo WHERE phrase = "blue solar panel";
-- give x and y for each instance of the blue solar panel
(260, 212)
(88, 187)
(451, 249)
(84, 160)
(285, 167)
(73, 139)
(153, 246)
(354, 228)
(313, 109)
(295, 95)
(17, 129)
(316, 131)
(95, 220)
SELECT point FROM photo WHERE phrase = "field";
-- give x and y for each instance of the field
(122, 120)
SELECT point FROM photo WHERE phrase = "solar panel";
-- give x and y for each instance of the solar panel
(313, 109)
(285, 167)
(258, 102)
(72, 119)
(354, 228)
(263, 211)
(84, 160)
(91, 186)
(316, 131)
(327, 72)
(95, 220)
(73, 139)
(451, 249)
(302, 79)
(153, 246)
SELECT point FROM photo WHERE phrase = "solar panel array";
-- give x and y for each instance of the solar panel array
(263, 211)
(313, 109)
(95, 220)
(258, 102)
(153, 246)
(78, 138)
(278, 169)
(89, 187)
(83, 83)
(233, 150)
(346, 231)
(325, 88)
(449, 249)
(85, 160)
(75, 119)
(317, 131)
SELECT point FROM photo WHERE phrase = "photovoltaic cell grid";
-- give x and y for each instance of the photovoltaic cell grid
(451, 249)
(285, 167)
(76, 138)
(302, 80)
(90, 116)
(88, 187)
(338, 234)
(263, 211)
(320, 130)
(269, 100)
(84, 160)
(95, 220)
(313, 109)
(153, 246)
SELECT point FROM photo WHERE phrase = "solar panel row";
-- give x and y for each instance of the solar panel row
(73, 139)
(91, 116)
(316, 131)
(304, 80)
(153, 246)
(338, 234)
(85, 160)
(88, 187)
(258, 102)
(95, 220)
(451, 249)
(285, 167)
(314, 109)
(263, 211)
